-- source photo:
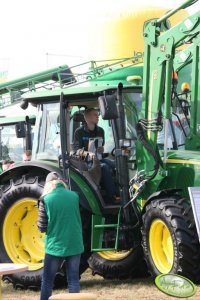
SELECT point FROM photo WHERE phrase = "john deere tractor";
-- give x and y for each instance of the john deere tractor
(152, 136)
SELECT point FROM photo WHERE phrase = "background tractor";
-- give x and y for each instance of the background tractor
(152, 135)
(16, 134)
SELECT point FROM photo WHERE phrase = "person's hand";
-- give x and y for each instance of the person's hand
(100, 150)
(91, 155)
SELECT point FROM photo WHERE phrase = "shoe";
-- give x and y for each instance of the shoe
(111, 203)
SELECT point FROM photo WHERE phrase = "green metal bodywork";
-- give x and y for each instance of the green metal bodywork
(87, 193)
(181, 170)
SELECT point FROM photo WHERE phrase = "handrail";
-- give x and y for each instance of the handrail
(25, 82)
(62, 77)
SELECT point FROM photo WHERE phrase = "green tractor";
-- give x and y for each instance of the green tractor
(152, 135)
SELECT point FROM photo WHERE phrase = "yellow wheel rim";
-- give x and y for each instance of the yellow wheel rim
(114, 255)
(22, 239)
(161, 246)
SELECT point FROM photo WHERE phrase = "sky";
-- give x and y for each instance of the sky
(41, 34)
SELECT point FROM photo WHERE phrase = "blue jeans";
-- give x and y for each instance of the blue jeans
(51, 266)
(107, 169)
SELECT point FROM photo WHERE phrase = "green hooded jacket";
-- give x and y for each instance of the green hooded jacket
(64, 230)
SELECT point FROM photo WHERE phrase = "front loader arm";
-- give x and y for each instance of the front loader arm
(186, 56)
(159, 54)
(158, 62)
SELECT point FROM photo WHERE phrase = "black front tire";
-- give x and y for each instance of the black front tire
(178, 221)
(119, 268)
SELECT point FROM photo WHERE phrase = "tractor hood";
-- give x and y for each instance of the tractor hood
(183, 157)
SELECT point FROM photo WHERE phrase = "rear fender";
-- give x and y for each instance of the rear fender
(90, 197)
(35, 168)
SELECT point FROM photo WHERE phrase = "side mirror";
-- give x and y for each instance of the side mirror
(20, 130)
(24, 104)
(108, 107)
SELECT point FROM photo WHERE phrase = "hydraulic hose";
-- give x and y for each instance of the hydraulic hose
(149, 148)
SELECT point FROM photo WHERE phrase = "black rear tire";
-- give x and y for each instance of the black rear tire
(17, 190)
(12, 193)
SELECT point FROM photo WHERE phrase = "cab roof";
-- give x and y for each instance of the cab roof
(14, 120)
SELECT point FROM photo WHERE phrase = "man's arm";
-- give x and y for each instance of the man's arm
(78, 147)
(42, 217)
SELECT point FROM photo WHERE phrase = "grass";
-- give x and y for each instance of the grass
(132, 289)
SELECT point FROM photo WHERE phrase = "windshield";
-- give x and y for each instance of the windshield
(46, 144)
(177, 131)
(47, 139)
(133, 106)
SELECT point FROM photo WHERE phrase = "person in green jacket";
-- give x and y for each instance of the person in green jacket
(59, 216)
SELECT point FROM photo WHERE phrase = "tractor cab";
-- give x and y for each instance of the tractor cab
(56, 124)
